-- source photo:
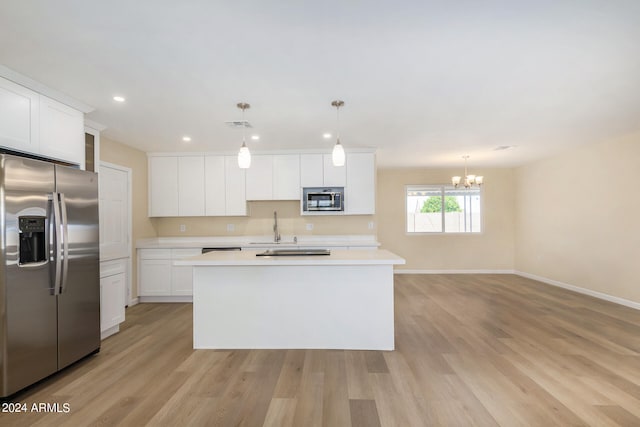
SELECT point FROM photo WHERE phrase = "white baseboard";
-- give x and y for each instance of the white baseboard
(133, 302)
(108, 332)
(584, 291)
(407, 271)
(166, 299)
(595, 294)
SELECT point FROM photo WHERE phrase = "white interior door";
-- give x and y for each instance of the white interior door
(115, 216)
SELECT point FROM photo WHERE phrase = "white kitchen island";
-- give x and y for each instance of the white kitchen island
(339, 301)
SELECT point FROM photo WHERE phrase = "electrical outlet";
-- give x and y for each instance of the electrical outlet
(309, 226)
(231, 228)
(183, 228)
(370, 225)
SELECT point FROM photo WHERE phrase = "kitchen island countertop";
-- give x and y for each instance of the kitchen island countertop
(336, 257)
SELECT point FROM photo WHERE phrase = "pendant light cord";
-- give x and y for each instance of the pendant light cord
(244, 126)
(243, 106)
(338, 123)
(337, 104)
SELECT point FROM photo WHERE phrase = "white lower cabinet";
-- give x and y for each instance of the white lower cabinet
(182, 276)
(160, 280)
(155, 277)
(113, 285)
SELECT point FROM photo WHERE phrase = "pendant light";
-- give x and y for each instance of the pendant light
(337, 156)
(469, 180)
(244, 156)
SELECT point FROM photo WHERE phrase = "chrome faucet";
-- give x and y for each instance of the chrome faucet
(276, 234)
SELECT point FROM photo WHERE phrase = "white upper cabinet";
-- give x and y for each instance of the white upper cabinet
(19, 116)
(35, 124)
(260, 178)
(311, 170)
(286, 177)
(224, 187)
(317, 170)
(190, 185)
(191, 194)
(334, 176)
(274, 177)
(215, 186)
(163, 186)
(360, 197)
(61, 132)
(236, 201)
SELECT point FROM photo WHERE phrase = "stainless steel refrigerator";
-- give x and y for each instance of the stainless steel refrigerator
(49, 271)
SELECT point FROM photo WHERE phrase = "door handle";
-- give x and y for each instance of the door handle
(54, 234)
(65, 243)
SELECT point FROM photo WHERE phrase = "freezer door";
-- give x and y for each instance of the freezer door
(27, 303)
(79, 299)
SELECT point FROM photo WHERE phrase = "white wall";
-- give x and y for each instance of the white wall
(578, 218)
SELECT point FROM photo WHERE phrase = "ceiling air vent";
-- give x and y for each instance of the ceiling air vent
(238, 124)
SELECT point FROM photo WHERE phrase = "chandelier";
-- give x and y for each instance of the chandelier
(469, 180)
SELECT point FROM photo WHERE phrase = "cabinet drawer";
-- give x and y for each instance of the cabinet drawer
(154, 253)
(185, 253)
(109, 268)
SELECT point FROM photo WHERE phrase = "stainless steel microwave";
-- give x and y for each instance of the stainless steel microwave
(316, 199)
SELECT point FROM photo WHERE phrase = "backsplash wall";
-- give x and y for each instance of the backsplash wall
(259, 221)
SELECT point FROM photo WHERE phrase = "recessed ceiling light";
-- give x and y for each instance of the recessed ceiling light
(255, 137)
(326, 135)
(186, 138)
(118, 98)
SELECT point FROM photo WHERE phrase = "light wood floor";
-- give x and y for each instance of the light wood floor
(471, 350)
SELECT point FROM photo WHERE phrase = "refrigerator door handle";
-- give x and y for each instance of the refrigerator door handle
(65, 243)
(55, 235)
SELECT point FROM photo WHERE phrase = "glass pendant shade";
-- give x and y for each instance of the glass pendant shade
(244, 157)
(337, 156)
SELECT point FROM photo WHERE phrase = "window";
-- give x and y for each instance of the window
(443, 209)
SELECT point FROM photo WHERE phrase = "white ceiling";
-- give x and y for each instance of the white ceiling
(424, 82)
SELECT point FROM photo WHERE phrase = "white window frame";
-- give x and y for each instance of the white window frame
(443, 189)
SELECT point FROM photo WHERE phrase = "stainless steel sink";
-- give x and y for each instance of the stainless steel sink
(294, 252)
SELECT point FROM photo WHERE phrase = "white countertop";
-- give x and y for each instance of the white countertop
(337, 257)
(365, 240)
